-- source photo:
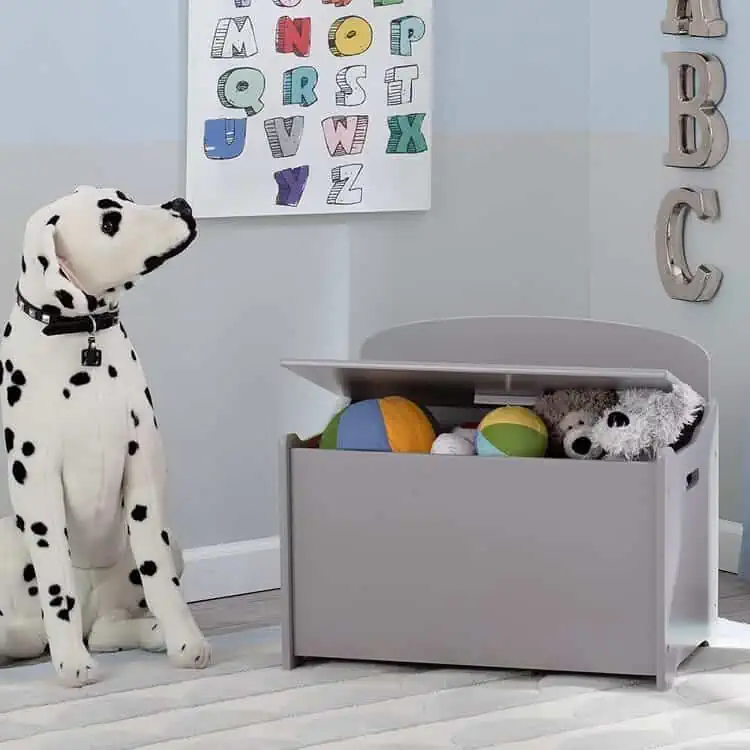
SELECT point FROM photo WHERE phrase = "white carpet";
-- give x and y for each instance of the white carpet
(246, 702)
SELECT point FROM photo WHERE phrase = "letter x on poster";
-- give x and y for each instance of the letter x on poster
(309, 106)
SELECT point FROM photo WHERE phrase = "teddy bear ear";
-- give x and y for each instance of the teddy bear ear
(549, 407)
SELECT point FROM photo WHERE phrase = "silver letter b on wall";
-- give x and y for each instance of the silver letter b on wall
(676, 277)
(698, 133)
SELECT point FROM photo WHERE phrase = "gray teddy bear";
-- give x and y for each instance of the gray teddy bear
(570, 416)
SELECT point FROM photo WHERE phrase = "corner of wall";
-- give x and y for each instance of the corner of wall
(589, 124)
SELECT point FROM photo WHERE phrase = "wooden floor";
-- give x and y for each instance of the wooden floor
(238, 612)
(734, 598)
(264, 609)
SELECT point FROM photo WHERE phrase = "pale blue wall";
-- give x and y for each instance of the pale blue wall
(112, 72)
(628, 80)
(511, 65)
(96, 93)
(629, 135)
(86, 71)
(93, 92)
(508, 231)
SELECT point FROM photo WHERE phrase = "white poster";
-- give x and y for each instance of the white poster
(309, 106)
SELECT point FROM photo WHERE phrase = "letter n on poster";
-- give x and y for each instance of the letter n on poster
(299, 107)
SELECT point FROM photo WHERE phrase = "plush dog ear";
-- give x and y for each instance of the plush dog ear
(40, 258)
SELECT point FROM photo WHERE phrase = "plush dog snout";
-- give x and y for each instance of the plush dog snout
(179, 205)
(581, 446)
(618, 419)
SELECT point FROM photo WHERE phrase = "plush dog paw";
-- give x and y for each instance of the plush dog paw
(77, 669)
(118, 633)
(190, 653)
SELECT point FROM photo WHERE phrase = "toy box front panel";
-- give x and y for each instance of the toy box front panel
(526, 563)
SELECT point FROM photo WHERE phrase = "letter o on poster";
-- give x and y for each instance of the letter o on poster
(350, 36)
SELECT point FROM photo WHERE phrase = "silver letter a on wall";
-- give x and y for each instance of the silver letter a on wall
(694, 18)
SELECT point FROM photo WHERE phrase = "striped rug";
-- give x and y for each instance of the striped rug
(246, 701)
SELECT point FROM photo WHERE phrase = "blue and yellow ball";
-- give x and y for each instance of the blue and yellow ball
(512, 431)
(392, 424)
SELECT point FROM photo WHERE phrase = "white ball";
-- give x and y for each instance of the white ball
(452, 445)
(468, 433)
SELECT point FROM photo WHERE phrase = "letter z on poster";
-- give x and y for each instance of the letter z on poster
(309, 106)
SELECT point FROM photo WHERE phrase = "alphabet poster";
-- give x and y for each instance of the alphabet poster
(309, 106)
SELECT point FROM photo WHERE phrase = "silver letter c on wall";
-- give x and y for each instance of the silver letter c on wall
(676, 276)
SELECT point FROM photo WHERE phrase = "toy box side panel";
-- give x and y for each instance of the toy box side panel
(688, 560)
(516, 563)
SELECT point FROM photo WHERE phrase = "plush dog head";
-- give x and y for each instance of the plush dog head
(80, 250)
(646, 420)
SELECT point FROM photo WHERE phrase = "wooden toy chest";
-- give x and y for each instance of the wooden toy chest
(546, 564)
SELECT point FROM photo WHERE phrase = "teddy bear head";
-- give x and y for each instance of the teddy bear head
(570, 416)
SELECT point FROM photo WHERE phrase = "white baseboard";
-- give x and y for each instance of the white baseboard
(231, 569)
(730, 543)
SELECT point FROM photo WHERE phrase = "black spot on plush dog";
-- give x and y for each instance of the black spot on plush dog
(75, 397)
(17, 380)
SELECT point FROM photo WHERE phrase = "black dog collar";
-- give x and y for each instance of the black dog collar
(58, 324)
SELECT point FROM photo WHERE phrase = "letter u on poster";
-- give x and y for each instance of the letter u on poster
(309, 106)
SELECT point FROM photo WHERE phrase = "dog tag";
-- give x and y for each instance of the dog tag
(91, 356)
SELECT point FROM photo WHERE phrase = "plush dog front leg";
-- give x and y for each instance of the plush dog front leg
(150, 543)
(36, 495)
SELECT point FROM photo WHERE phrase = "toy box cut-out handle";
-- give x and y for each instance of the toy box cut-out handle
(692, 479)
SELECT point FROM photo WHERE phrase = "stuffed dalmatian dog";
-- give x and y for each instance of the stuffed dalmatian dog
(88, 552)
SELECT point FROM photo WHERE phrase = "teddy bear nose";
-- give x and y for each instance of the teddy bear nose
(618, 419)
(581, 446)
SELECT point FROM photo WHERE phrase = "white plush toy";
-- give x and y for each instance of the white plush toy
(644, 421)
(459, 442)
(88, 552)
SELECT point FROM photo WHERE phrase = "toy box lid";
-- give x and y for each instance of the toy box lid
(464, 383)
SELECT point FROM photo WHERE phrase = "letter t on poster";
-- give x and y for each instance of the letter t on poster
(299, 107)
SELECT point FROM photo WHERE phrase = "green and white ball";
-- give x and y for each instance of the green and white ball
(512, 431)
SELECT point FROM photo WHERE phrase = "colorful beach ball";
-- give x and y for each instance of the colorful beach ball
(512, 431)
(392, 424)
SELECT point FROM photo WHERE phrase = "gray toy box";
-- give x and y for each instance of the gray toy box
(544, 564)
